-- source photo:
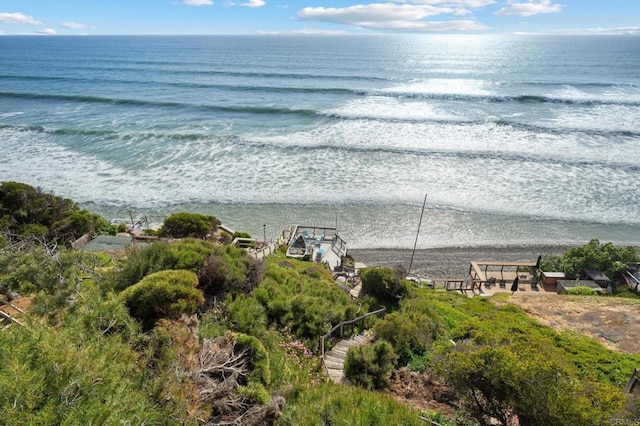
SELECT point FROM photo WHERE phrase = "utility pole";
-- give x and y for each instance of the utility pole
(417, 233)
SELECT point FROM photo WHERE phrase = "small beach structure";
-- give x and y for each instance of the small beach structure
(500, 273)
(597, 276)
(551, 278)
(317, 244)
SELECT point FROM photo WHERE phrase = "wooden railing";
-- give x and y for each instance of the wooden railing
(380, 312)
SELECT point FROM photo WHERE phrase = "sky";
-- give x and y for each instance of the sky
(121, 17)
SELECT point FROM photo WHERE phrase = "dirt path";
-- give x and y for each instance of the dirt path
(615, 322)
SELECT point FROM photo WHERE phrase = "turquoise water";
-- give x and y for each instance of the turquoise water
(516, 139)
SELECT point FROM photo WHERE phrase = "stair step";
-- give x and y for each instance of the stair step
(334, 359)
(336, 374)
(347, 343)
(331, 365)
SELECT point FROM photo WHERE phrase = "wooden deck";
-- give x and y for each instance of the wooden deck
(500, 275)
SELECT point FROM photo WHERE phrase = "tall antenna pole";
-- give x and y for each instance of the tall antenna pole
(417, 233)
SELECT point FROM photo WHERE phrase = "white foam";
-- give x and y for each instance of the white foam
(616, 94)
(387, 108)
(612, 118)
(484, 167)
(442, 86)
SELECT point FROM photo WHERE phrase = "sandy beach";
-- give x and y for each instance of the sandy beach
(451, 262)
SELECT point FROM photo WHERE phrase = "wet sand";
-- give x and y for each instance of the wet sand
(451, 262)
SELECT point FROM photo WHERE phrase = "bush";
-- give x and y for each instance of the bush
(602, 257)
(54, 376)
(27, 211)
(164, 294)
(228, 270)
(159, 256)
(370, 366)
(532, 381)
(241, 234)
(94, 317)
(332, 404)
(582, 291)
(383, 283)
(53, 277)
(247, 315)
(181, 225)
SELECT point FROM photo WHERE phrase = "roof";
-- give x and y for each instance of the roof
(595, 275)
(553, 274)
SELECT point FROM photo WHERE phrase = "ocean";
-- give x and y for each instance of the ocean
(514, 140)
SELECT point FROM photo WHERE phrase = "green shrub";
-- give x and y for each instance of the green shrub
(228, 270)
(254, 392)
(259, 365)
(95, 316)
(54, 277)
(602, 257)
(122, 227)
(158, 256)
(531, 380)
(412, 330)
(34, 230)
(27, 211)
(181, 225)
(582, 291)
(53, 376)
(370, 366)
(383, 284)
(241, 234)
(164, 294)
(212, 325)
(303, 298)
(247, 315)
(332, 404)
(151, 232)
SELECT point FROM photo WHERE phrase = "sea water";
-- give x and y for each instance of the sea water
(513, 139)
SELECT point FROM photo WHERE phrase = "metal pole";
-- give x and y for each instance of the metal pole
(264, 233)
(417, 233)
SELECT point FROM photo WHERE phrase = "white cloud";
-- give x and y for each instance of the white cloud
(452, 3)
(398, 17)
(375, 12)
(302, 32)
(74, 25)
(198, 2)
(47, 31)
(425, 26)
(529, 8)
(254, 3)
(250, 3)
(17, 18)
(631, 30)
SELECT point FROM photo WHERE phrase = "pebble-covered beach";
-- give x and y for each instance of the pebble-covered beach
(451, 262)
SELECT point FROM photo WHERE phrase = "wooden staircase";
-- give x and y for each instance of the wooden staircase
(334, 359)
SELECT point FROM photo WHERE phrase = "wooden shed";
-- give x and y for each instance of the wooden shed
(551, 278)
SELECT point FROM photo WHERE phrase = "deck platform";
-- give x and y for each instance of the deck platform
(500, 275)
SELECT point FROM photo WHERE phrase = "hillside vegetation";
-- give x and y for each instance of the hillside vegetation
(192, 332)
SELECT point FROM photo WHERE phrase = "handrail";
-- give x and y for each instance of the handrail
(341, 325)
